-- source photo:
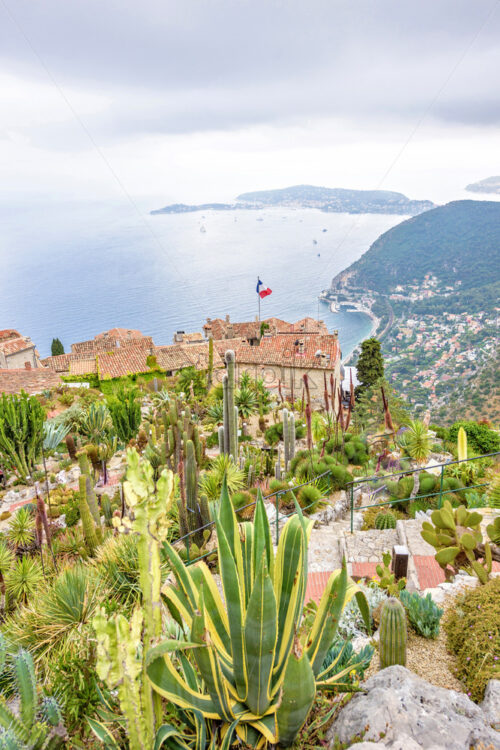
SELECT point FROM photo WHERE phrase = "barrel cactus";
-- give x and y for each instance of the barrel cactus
(393, 634)
(385, 520)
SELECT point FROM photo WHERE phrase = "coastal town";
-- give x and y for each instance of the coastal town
(432, 358)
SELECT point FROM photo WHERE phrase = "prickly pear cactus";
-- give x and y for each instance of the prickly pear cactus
(387, 577)
(456, 535)
(393, 634)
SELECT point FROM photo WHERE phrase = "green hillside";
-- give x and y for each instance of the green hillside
(458, 242)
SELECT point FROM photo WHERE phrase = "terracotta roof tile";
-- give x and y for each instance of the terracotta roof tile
(31, 381)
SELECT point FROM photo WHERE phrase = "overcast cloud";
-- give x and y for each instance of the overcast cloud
(201, 99)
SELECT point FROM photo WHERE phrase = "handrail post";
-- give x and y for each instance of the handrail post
(352, 508)
(277, 505)
(440, 501)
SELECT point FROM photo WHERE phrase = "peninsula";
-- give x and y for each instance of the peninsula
(490, 185)
(336, 200)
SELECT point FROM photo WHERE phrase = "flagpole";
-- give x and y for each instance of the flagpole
(258, 296)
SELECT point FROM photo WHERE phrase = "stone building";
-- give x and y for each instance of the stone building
(17, 351)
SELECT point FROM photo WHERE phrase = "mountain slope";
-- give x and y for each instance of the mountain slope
(459, 243)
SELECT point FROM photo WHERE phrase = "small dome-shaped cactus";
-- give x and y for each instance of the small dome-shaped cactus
(385, 520)
(393, 634)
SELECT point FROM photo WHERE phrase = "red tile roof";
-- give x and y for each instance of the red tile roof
(122, 361)
(120, 333)
(221, 329)
(11, 342)
(318, 351)
(31, 381)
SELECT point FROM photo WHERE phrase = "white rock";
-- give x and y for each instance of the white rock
(491, 703)
(398, 708)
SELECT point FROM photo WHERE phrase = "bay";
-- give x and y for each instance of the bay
(72, 270)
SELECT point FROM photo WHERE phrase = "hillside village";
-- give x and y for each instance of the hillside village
(149, 479)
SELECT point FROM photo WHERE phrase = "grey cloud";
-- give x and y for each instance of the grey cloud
(194, 65)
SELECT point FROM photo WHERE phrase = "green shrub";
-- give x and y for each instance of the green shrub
(309, 498)
(473, 630)
(339, 478)
(423, 614)
(480, 437)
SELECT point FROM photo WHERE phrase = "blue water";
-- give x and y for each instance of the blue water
(72, 271)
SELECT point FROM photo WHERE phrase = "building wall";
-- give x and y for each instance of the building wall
(18, 359)
(271, 374)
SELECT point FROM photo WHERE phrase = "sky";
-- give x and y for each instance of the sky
(198, 100)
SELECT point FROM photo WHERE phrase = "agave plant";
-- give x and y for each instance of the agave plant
(53, 434)
(255, 672)
(220, 467)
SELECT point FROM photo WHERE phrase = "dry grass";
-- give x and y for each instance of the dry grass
(428, 659)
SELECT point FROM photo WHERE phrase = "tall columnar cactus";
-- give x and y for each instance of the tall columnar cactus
(393, 634)
(291, 432)
(286, 438)
(121, 654)
(106, 508)
(83, 462)
(38, 723)
(193, 513)
(308, 412)
(231, 438)
(456, 535)
(21, 432)
(259, 669)
(88, 523)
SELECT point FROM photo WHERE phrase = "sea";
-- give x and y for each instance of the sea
(74, 269)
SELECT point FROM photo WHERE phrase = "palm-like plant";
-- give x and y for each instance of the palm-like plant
(23, 579)
(21, 529)
(220, 467)
(53, 434)
(247, 402)
(215, 412)
(6, 561)
(95, 423)
(416, 441)
(245, 380)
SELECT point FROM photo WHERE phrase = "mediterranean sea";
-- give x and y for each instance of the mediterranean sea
(71, 270)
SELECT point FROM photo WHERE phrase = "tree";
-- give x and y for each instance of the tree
(370, 365)
(56, 347)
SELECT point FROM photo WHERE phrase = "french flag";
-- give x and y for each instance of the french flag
(261, 290)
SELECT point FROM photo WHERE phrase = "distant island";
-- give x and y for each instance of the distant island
(334, 200)
(488, 185)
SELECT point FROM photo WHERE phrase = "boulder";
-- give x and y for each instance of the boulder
(400, 710)
(491, 704)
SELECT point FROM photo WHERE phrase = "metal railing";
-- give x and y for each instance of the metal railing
(279, 515)
(406, 472)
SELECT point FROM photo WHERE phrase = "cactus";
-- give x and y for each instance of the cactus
(221, 439)
(230, 411)
(392, 634)
(71, 446)
(385, 520)
(286, 438)
(192, 514)
(88, 524)
(121, 647)
(21, 433)
(456, 535)
(106, 509)
(493, 531)
(250, 476)
(291, 431)
(35, 725)
(387, 578)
